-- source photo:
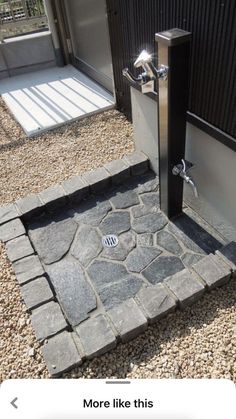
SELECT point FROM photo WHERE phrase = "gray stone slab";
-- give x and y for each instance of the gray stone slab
(117, 292)
(122, 198)
(115, 223)
(96, 336)
(119, 171)
(19, 248)
(186, 287)
(87, 244)
(128, 320)
(53, 197)
(104, 273)
(213, 273)
(73, 291)
(141, 257)
(169, 243)
(76, 188)
(60, 354)
(7, 213)
(27, 269)
(11, 230)
(229, 252)
(161, 268)
(150, 223)
(151, 199)
(156, 302)
(92, 211)
(29, 205)
(36, 293)
(52, 241)
(145, 239)
(97, 179)
(127, 242)
(47, 320)
(138, 162)
(141, 210)
(190, 259)
(147, 183)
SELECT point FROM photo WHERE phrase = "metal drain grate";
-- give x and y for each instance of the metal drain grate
(110, 240)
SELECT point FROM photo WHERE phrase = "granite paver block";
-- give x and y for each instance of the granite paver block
(27, 269)
(115, 223)
(11, 230)
(47, 320)
(92, 211)
(229, 254)
(127, 242)
(52, 240)
(141, 257)
(7, 213)
(97, 179)
(212, 272)
(168, 242)
(145, 239)
(128, 320)
(73, 291)
(76, 188)
(138, 162)
(87, 244)
(53, 197)
(119, 170)
(29, 206)
(60, 353)
(19, 248)
(149, 223)
(156, 302)
(161, 268)
(190, 259)
(36, 293)
(123, 198)
(96, 336)
(186, 287)
(117, 292)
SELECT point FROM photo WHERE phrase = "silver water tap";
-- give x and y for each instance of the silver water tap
(146, 79)
(182, 170)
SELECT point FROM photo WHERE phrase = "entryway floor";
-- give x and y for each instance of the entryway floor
(46, 99)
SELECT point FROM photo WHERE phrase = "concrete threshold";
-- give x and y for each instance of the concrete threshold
(49, 98)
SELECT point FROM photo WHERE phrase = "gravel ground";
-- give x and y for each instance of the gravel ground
(198, 342)
(30, 165)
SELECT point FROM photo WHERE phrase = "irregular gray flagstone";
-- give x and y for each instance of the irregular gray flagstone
(19, 248)
(117, 292)
(140, 257)
(87, 244)
(147, 183)
(156, 301)
(36, 293)
(104, 273)
(92, 211)
(115, 223)
(74, 292)
(149, 223)
(190, 259)
(96, 336)
(48, 320)
(128, 320)
(141, 210)
(11, 230)
(145, 239)
(126, 243)
(168, 242)
(60, 353)
(52, 241)
(27, 269)
(161, 268)
(151, 199)
(123, 198)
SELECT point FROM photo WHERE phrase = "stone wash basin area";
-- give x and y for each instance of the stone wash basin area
(85, 297)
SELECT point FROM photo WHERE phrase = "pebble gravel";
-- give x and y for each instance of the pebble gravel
(199, 342)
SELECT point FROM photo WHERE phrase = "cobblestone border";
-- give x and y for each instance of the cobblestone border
(62, 348)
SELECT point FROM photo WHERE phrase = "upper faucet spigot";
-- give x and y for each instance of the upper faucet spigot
(182, 170)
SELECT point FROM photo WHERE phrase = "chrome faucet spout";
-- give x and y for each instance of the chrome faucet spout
(182, 171)
(192, 183)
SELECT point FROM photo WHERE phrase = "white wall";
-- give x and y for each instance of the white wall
(214, 171)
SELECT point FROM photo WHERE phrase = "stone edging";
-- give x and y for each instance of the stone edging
(63, 349)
